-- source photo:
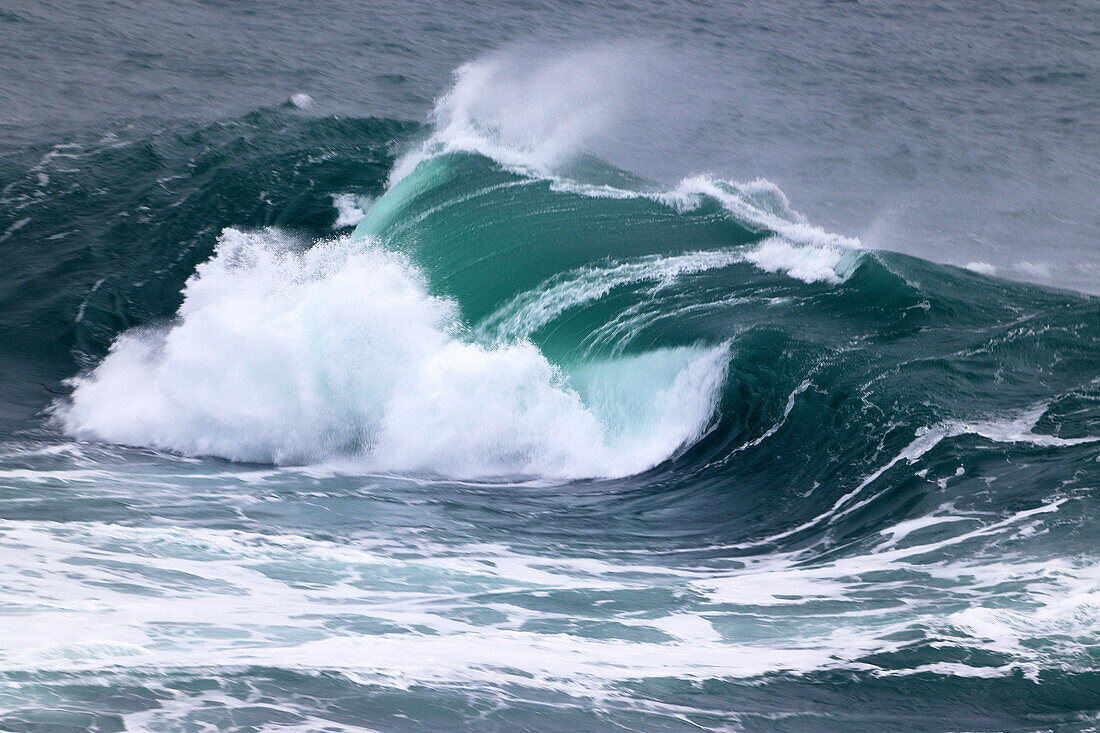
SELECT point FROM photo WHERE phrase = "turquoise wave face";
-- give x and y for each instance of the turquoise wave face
(836, 363)
(486, 236)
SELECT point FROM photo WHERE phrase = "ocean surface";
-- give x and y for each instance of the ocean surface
(549, 366)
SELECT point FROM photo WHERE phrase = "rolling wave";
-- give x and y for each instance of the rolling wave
(751, 453)
(512, 309)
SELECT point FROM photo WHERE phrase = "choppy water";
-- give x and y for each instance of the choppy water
(523, 397)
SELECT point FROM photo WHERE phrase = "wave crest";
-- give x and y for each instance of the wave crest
(338, 352)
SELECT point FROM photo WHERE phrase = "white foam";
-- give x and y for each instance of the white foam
(285, 356)
(808, 264)
(759, 202)
(205, 603)
(350, 209)
(301, 100)
(799, 249)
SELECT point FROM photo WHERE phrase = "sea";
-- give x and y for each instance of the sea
(549, 365)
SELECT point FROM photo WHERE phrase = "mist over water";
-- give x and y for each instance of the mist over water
(493, 367)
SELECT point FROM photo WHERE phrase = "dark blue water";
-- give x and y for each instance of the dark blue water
(549, 367)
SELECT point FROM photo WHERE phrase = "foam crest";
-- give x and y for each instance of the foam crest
(337, 352)
(529, 112)
(809, 264)
(761, 203)
(799, 249)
